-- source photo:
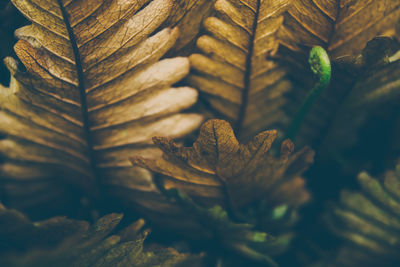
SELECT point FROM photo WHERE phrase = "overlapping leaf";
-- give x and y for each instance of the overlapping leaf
(63, 242)
(94, 92)
(218, 170)
(217, 160)
(343, 27)
(188, 15)
(369, 222)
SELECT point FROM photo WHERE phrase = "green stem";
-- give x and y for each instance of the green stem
(321, 67)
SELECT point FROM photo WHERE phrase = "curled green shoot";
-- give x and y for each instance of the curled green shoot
(321, 67)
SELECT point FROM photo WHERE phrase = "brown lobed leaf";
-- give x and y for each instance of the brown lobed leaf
(218, 170)
(217, 160)
(94, 91)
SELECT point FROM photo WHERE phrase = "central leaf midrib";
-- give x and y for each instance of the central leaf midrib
(247, 74)
(81, 87)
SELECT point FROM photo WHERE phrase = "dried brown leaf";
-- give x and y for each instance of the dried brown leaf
(219, 170)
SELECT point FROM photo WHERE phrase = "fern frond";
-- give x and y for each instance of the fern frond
(94, 92)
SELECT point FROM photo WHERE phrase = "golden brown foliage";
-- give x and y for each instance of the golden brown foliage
(94, 92)
(235, 70)
(218, 172)
(217, 162)
(95, 86)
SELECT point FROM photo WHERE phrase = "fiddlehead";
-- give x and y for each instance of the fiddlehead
(321, 67)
